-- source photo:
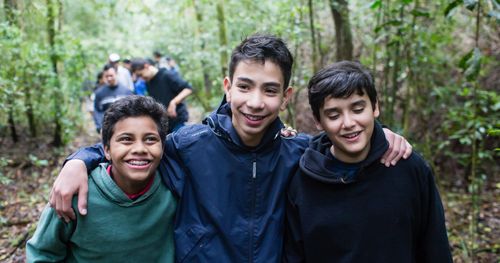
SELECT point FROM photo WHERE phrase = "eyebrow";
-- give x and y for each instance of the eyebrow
(359, 102)
(250, 81)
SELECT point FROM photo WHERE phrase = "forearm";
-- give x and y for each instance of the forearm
(91, 156)
(181, 96)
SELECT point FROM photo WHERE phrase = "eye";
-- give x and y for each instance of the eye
(272, 91)
(125, 139)
(358, 110)
(243, 86)
(333, 116)
(151, 139)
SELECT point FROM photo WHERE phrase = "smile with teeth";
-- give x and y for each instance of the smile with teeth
(351, 135)
(253, 117)
(138, 162)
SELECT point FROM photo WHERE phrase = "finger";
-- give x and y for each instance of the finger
(408, 151)
(67, 208)
(82, 200)
(386, 155)
(400, 154)
(58, 207)
(394, 152)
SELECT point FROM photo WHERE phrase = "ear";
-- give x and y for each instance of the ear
(318, 124)
(287, 96)
(107, 153)
(227, 87)
(376, 111)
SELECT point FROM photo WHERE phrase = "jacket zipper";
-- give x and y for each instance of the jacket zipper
(254, 201)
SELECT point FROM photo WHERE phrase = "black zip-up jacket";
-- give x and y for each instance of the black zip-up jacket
(380, 215)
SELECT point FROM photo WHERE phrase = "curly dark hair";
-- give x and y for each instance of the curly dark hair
(134, 106)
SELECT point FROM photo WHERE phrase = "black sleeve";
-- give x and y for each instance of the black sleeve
(178, 84)
(433, 243)
(294, 246)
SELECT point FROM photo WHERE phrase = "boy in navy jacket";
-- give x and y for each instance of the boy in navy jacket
(343, 205)
(230, 173)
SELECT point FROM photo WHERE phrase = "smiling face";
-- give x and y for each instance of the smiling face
(135, 150)
(256, 95)
(349, 124)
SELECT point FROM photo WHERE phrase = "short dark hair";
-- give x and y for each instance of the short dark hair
(261, 47)
(108, 66)
(134, 106)
(139, 63)
(340, 80)
(157, 53)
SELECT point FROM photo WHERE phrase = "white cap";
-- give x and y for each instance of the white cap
(113, 57)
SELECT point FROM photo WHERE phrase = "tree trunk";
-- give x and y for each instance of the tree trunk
(204, 63)
(10, 7)
(51, 28)
(313, 36)
(222, 37)
(343, 36)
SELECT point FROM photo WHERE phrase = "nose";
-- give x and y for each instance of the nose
(348, 121)
(138, 148)
(255, 99)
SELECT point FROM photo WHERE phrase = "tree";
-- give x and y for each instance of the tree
(343, 35)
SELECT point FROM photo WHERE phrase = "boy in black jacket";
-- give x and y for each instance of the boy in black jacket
(343, 205)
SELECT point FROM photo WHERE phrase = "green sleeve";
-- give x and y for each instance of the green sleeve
(51, 239)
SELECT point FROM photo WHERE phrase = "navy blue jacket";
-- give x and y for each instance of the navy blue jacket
(381, 214)
(232, 198)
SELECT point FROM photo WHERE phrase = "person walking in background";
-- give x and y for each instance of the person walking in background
(107, 94)
(167, 88)
(123, 75)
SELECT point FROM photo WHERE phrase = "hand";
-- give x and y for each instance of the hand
(72, 179)
(398, 147)
(172, 109)
(288, 132)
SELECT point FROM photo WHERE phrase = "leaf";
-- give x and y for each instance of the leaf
(394, 22)
(407, 1)
(470, 4)
(451, 6)
(473, 65)
(495, 14)
(463, 61)
(376, 4)
(420, 12)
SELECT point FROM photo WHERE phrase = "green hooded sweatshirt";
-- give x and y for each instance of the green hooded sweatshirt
(116, 228)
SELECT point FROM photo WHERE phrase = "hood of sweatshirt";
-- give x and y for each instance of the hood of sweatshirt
(318, 164)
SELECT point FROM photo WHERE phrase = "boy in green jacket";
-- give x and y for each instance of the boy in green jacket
(132, 211)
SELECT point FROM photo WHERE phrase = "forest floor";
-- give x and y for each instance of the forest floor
(28, 169)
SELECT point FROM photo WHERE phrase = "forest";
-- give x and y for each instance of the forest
(436, 65)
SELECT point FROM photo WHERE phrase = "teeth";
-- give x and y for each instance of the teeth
(254, 117)
(352, 135)
(137, 162)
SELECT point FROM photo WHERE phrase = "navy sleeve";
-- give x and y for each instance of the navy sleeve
(91, 156)
(433, 243)
(171, 167)
(294, 249)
